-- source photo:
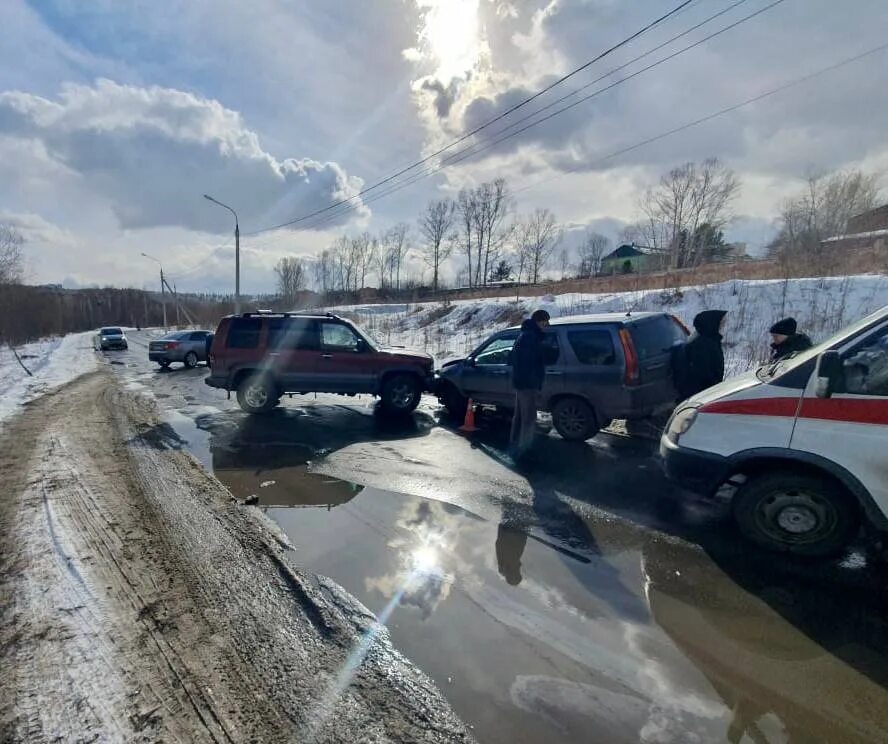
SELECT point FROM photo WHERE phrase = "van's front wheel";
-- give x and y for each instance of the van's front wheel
(796, 514)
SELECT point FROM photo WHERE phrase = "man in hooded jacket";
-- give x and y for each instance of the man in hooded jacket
(786, 340)
(528, 372)
(701, 363)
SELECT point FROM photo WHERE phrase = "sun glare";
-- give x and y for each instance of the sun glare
(452, 33)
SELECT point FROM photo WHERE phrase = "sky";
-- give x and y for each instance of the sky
(116, 117)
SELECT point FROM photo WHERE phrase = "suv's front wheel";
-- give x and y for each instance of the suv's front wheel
(400, 393)
(795, 513)
(574, 419)
(257, 394)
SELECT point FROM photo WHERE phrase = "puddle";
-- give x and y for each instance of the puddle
(582, 629)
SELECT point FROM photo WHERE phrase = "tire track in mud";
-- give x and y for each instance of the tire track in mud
(138, 602)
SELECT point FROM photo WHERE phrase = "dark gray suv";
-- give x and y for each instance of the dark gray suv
(599, 368)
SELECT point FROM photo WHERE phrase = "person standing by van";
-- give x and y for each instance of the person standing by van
(528, 372)
(700, 363)
(785, 339)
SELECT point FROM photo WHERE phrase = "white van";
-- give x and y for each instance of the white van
(805, 441)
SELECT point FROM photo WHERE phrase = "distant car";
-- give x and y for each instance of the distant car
(599, 368)
(187, 347)
(111, 337)
(263, 356)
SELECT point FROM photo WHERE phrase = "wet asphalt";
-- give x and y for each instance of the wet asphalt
(580, 598)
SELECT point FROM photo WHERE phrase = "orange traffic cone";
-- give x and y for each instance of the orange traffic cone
(469, 422)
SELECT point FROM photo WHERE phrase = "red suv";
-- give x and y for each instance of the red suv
(265, 355)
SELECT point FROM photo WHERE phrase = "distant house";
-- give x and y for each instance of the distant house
(868, 230)
(627, 259)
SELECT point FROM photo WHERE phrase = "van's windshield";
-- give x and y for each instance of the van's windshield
(769, 371)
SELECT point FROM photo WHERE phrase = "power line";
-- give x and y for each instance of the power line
(481, 127)
(483, 146)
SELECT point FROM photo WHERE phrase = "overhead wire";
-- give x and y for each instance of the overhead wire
(480, 147)
(652, 24)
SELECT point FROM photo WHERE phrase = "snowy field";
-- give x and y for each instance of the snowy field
(821, 307)
(52, 362)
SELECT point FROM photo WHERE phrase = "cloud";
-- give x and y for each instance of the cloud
(152, 152)
(35, 229)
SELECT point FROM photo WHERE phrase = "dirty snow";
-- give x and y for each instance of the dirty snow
(52, 362)
(821, 307)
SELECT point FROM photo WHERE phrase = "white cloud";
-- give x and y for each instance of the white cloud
(152, 152)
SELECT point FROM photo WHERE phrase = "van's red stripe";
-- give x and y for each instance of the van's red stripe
(851, 410)
(754, 407)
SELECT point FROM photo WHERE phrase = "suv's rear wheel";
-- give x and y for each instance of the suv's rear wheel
(574, 419)
(400, 393)
(794, 513)
(257, 394)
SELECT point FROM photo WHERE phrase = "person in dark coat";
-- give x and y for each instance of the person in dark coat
(702, 359)
(528, 362)
(785, 339)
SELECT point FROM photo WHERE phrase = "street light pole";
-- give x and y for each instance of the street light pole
(237, 303)
(162, 289)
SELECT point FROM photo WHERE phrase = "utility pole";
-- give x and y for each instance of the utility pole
(176, 298)
(163, 298)
(237, 303)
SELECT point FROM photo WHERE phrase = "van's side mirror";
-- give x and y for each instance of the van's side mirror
(470, 361)
(829, 374)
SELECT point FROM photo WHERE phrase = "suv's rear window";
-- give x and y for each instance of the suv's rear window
(592, 347)
(243, 333)
(292, 333)
(654, 336)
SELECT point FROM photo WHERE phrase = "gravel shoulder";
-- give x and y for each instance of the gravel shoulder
(139, 602)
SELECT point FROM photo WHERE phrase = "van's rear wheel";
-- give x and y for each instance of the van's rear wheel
(400, 394)
(796, 514)
(257, 394)
(574, 419)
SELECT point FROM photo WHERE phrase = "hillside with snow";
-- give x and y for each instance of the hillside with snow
(821, 307)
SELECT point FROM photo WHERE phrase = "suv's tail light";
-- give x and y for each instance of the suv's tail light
(631, 375)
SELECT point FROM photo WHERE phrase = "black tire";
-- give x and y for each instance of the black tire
(574, 419)
(799, 514)
(400, 394)
(164, 365)
(257, 394)
(190, 360)
(454, 401)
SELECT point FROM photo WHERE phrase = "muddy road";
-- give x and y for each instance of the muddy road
(141, 603)
(584, 599)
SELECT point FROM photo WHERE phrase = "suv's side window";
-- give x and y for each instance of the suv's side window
(243, 333)
(292, 333)
(551, 350)
(198, 336)
(496, 352)
(866, 370)
(592, 347)
(338, 337)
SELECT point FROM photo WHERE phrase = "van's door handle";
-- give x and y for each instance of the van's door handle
(326, 356)
(499, 372)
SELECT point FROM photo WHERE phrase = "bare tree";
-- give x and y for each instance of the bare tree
(434, 226)
(537, 237)
(396, 242)
(491, 233)
(362, 251)
(11, 242)
(323, 272)
(686, 198)
(595, 247)
(564, 261)
(821, 211)
(290, 274)
(467, 207)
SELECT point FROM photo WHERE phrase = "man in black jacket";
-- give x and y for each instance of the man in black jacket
(785, 340)
(528, 372)
(701, 363)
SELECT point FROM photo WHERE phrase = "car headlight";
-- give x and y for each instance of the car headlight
(681, 421)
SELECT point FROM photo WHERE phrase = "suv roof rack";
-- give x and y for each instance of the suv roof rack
(288, 314)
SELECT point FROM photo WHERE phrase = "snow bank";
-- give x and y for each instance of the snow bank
(52, 362)
(821, 307)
